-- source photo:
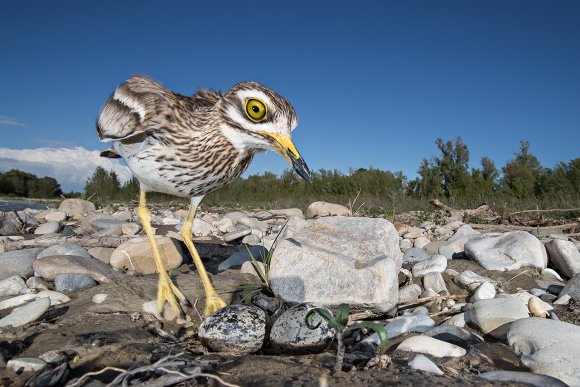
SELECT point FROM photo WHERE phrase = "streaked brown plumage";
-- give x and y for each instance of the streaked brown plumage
(190, 146)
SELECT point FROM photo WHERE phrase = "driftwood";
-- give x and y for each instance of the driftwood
(85, 241)
(482, 212)
(539, 232)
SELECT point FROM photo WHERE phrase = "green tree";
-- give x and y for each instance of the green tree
(522, 174)
(103, 184)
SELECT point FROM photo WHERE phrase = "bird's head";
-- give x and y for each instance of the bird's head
(254, 117)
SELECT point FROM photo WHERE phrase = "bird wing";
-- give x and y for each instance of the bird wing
(131, 109)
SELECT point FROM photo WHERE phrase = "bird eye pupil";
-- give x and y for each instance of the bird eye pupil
(256, 109)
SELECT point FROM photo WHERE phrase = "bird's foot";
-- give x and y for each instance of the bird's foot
(167, 291)
(213, 303)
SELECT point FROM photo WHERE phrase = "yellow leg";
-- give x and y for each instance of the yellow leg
(166, 290)
(213, 302)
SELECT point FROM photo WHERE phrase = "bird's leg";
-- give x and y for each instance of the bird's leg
(213, 302)
(166, 290)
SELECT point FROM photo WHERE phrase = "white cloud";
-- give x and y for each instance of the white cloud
(69, 166)
(10, 121)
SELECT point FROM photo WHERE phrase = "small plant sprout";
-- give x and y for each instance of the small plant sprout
(339, 322)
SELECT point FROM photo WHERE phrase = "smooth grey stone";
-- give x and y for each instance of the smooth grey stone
(485, 291)
(64, 249)
(462, 232)
(234, 329)
(526, 378)
(48, 228)
(548, 297)
(76, 207)
(25, 364)
(435, 282)
(11, 286)
(493, 315)
(565, 256)
(67, 231)
(422, 363)
(18, 262)
(49, 267)
(243, 255)
(470, 280)
(105, 223)
(548, 347)
(454, 335)
(27, 313)
(232, 236)
(409, 293)
(414, 255)
(435, 264)
(291, 334)
(537, 292)
(72, 282)
(430, 346)
(572, 288)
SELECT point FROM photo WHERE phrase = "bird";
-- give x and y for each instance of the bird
(189, 146)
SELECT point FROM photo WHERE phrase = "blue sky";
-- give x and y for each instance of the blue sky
(373, 82)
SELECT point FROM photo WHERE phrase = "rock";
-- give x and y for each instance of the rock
(508, 251)
(170, 221)
(251, 240)
(76, 207)
(552, 273)
(463, 231)
(53, 357)
(458, 320)
(99, 298)
(572, 288)
(435, 264)
(10, 224)
(11, 286)
(248, 267)
(130, 229)
(243, 255)
(401, 228)
(253, 223)
(289, 212)
(421, 242)
(36, 283)
(55, 216)
(233, 236)
(422, 363)
(25, 364)
(235, 329)
(430, 346)
(414, 322)
(65, 249)
(524, 378)
(548, 347)
(409, 293)
(56, 298)
(564, 300)
(435, 282)
(73, 282)
(493, 316)
(49, 267)
(290, 333)
(335, 260)
(202, 228)
(27, 313)
(470, 280)
(320, 209)
(537, 307)
(18, 262)
(433, 247)
(414, 255)
(136, 255)
(105, 223)
(565, 256)
(103, 254)
(405, 244)
(47, 228)
(484, 291)
(225, 225)
(454, 335)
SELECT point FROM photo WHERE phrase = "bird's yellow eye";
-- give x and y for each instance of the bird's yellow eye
(256, 110)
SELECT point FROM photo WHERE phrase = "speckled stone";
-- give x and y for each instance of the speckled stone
(234, 329)
(290, 333)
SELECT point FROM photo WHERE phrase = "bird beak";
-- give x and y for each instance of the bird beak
(285, 146)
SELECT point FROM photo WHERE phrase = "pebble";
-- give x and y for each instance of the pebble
(433, 247)
(492, 316)
(53, 357)
(251, 240)
(548, 347)
(245, 254)
(409, 293)
(289, 212)
(47, 228)
(72, 282)
(234, 329)
(565, 256)
(572, 288)
(64, 249)
(537, 307)
(435, 282)
(55, 299)
(49, 267)
(233, 236)
(76, 207)
(291, 334)
(248, 268)
(405, 244)
(320, 209)
(253, 223)
(564, 300)
(454, 335)
(105, 223)
(551, 272)
(103, 254)
(508, 251)
(27, 313)
(18, 262)
(422, 363)
(55, 216)
(136, 255)
(436, 263)
(430, 346)
(25, 364)
(99, 298)
(11, 286)
(225, 225)
(202, 228)
(415, 322)
(130, 229)
(470, 280)
(484, 291)
(421, 242)
(36, 283)
(414, 255)
(526, 378)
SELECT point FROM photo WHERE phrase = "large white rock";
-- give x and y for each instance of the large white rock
(435, 264)
(76, 207)
(565, 256)
(136, 255)
(508, 251)
(431, 346)
(492, 315)
(27, 313)
(319, 209)
(548, 347)
(335, 260)
(422, 363)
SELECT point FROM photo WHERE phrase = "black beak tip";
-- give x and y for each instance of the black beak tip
(301, 168)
